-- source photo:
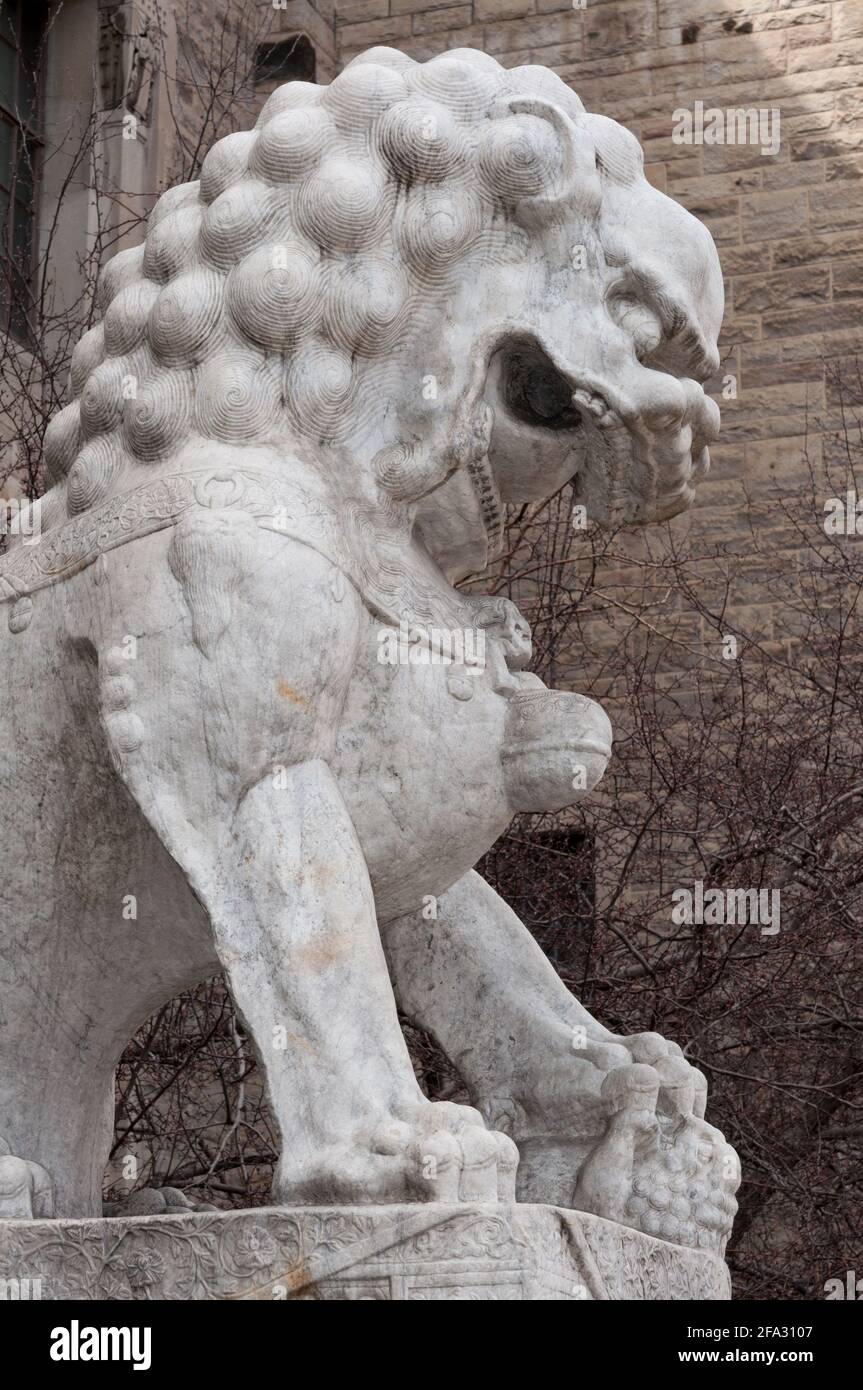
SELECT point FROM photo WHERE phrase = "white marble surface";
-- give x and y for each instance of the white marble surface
(399, 303)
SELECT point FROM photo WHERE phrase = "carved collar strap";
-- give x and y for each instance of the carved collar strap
(373, 552)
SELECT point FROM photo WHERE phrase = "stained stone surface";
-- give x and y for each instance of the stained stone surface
(458, 1252)
(241, 688)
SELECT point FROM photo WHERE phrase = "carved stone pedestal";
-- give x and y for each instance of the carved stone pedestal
(435, 1251)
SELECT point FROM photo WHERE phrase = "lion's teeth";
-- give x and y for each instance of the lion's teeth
(596, 406)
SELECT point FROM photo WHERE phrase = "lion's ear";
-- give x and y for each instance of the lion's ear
(534, 156)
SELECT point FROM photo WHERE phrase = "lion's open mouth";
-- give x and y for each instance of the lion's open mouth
(633, 443)
(643, 464)
(632, 435)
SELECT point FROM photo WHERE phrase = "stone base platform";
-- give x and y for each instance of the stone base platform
(465, 1252)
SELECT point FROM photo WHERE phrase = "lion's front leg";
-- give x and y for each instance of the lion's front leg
(295, 927)
(539, 1064)
(222, 728)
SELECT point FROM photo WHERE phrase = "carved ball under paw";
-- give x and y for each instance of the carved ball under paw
(685, 1193)
(659, 1167)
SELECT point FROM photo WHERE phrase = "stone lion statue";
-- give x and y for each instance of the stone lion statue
(399, 303)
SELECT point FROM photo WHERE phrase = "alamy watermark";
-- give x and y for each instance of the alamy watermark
(730, 125)
(848, 1288)
(13, 1290)
(719, 907)
(413, 645)
(77, 1343)
(844, 515)
(18, 517)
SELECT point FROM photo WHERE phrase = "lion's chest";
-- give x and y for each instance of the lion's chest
(419, 764)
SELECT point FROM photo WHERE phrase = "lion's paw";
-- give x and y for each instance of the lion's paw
(683, 1089)
(430, 1152)
(449, 1155)
(155, 1201)
(26, 1190)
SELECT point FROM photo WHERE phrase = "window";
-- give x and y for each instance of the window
(289, 60)
(21, 26)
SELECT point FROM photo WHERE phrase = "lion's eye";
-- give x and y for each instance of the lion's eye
(641, 323)
(535, 391)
